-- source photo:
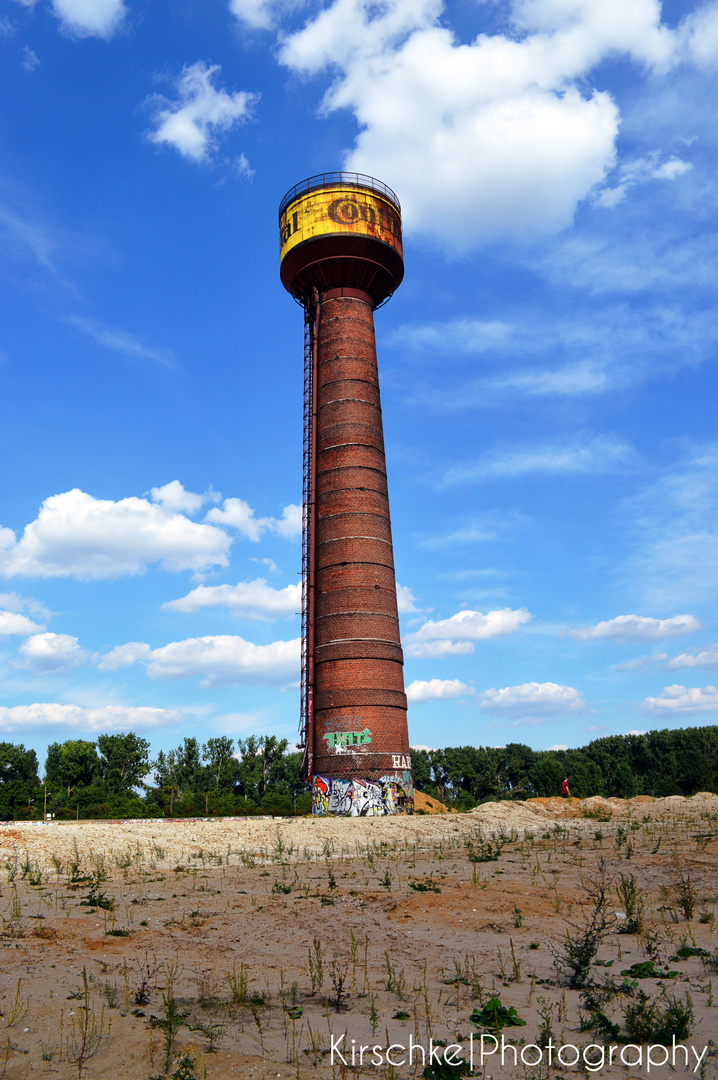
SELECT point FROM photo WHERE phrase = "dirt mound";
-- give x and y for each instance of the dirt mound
(428, 806)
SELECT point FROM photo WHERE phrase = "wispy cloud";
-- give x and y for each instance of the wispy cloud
(575, 455)
(631, 173)
(603, 348)
(119, 340)
(674, 527)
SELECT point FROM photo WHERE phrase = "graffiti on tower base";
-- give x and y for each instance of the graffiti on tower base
(363, 798)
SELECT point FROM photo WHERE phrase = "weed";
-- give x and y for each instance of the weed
(87, 1031)
(238, 984)
(96, 899)
(578, 950)
(278, 887)
(494, 1016)
(685, 892)
(629, 896)
(111, 994)
(170, 1024)
(147, 971)
(660, 1019)
(18, 1010)
(385, 882)
(482, 850)
(647, 969)
(373, 1014)
(518, 917)
(596, 813)
(394, 983)
(341, 994)
(546, 1033)
(427, 885)
(214, 1031)
(316, 965)
(186, 1069)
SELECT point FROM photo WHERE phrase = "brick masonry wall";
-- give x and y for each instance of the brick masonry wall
(358, 674)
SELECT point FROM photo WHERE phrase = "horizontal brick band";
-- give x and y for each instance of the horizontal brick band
(352, 501)
(353, 525)
(351, 433)
(359, 389)
(355, 648)
(356, 477)
(350, 456)
(332, 627)
(339, 699)
(359, 575)
(366, 598)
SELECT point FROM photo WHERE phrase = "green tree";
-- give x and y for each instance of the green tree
(19, 783)
(217, 753)
(124, 760)
(72, 764)
(261, 765)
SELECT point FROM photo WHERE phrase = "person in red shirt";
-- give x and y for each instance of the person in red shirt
(565, 793)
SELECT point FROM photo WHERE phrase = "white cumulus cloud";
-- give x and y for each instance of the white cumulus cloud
(238, 514)
(533, 701)
(257, 14)
(124, 656)
(456, 635)
(226, 659)
(76, 535)
(87, 18)
(90, 18)
(637, 628)
(173, 496)
(406, 601)
(682, 700)
(436, 689)
(249, 599)
(51, 654)
(81, 721)
(192, 123)
(12, 623)
(707, 657)
(500, 136)
(223, 659)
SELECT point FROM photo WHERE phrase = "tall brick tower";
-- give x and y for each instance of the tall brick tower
(341, 257)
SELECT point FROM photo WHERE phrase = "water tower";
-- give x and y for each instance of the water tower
(341, 257)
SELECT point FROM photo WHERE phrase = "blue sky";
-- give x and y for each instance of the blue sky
(547, 367)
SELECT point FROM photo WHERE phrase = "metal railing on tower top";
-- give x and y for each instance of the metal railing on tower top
(350, 179)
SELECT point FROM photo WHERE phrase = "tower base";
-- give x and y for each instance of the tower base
(357, 797)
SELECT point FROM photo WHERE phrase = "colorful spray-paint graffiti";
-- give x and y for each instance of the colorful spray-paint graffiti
(363, 798)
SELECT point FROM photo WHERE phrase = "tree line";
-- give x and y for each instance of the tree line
(115, 776)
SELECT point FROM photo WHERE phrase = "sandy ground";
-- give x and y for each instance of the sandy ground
(275, 937)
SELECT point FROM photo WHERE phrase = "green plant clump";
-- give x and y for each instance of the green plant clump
(495, 1016)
